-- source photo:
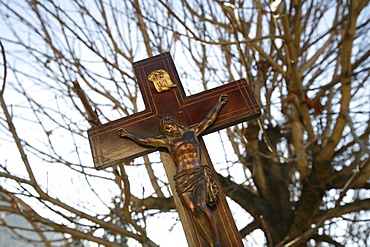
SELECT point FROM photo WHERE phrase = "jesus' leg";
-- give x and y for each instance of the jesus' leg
(203, 216)
(207, 218)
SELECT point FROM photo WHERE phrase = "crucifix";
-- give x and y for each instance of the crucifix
(173, 124)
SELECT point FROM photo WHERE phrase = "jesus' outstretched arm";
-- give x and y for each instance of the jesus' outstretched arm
(140, 139)
(211, 116)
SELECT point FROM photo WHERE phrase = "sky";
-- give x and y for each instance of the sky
(75, 188)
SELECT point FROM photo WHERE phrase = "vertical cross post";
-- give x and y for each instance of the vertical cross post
(163, 95)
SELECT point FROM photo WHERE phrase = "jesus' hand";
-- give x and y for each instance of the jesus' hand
(223, 99)
(122, 133)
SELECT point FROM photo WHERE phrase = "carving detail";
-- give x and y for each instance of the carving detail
(193, 180)
(161, 80)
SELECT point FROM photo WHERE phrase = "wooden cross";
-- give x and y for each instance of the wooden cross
(166, 97)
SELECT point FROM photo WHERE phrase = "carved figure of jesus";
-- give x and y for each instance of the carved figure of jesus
(193, 180)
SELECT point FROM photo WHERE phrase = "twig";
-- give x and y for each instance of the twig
(93, 118)
(275, 154)
(11, 124)
(268, 234)
(351, 181)
(5, 68)
(355, 136)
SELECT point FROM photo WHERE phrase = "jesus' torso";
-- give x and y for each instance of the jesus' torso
(185, 151)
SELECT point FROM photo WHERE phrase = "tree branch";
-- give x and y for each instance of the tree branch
(309, 233)
(5, 68)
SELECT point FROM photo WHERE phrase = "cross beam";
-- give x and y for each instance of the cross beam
(166, 97)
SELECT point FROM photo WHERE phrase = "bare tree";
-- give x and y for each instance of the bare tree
(300, 172)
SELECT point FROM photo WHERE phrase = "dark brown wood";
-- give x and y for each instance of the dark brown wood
(108, 149)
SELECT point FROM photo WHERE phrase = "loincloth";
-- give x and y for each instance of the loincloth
(187, 180)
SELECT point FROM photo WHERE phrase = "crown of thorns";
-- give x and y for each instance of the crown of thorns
(170, 120)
